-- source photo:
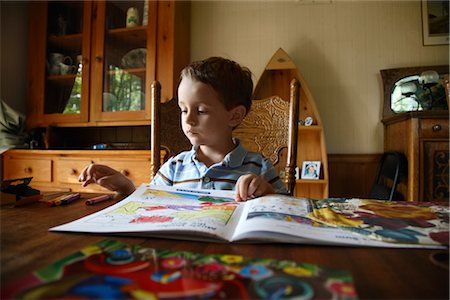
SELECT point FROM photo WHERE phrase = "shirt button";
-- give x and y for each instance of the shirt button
(206, 179)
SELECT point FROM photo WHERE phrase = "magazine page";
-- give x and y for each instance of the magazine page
(422, 223)
(165, 211)
(278, 218)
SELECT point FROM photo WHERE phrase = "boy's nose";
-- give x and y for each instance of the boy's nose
(190, 118)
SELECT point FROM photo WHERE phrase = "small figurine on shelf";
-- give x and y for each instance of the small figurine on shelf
(62, 25)
(145, 14)
(132, 17)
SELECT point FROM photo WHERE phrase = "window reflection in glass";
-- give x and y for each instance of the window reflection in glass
(409, 94)
(73, 105)
(125, 91)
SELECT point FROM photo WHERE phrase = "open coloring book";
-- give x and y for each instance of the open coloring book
(212, 215)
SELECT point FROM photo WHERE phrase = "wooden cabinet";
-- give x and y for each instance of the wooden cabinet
(419, 128)
(55, 170)
(434, 163)
(87, 67)
(423, 138)
(89, 77)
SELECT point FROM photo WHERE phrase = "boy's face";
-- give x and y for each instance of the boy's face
(204, 118)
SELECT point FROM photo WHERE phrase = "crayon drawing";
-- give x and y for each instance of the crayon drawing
(164, 209)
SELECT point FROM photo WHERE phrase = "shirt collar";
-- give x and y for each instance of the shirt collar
(232, 160)
(236, 157)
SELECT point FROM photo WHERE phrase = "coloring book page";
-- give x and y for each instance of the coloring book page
(164, 210)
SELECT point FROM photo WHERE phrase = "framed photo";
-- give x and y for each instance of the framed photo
(310, 170)
(435, 21)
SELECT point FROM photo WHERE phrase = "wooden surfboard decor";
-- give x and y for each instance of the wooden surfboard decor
(275, 81)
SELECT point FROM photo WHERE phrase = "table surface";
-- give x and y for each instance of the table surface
(378, 273)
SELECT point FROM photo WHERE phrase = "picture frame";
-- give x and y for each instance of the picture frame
(435, 22)
(310, 170)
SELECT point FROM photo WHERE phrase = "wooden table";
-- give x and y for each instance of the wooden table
(379, 273)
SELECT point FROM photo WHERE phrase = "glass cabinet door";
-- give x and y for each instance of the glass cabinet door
(66, 70)
(124, 62)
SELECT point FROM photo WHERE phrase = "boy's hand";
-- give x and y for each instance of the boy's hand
(107, 178)
(250, 186)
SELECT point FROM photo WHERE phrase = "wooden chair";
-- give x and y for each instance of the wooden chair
(155, 137)
(166, 133)
(271, 128)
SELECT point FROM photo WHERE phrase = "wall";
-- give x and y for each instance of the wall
(14, 53)
(338, 46)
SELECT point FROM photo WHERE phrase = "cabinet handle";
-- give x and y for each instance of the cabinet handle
(98, 59)
(28, 170)
(436, 128)
(73, 172)
(125, 172)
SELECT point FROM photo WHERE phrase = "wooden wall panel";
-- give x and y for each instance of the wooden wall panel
(352, 175)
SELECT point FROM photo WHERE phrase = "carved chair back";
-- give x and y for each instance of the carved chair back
(271, 128)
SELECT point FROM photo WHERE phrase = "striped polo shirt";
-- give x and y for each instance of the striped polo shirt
(184, 170)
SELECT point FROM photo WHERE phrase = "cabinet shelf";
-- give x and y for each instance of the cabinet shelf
(136, 71)
(135, 36)
(62, 79)
(66, 42)
(310, 128)
(311, 181)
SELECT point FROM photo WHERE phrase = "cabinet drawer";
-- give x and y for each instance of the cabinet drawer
(434, 128)
(68, 169)
(137, 170)
(38, 168)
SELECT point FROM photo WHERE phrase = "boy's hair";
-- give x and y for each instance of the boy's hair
(230, 80)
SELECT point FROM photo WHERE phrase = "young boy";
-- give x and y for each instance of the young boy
(214, 96)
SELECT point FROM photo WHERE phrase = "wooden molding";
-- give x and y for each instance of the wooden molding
(352, 175)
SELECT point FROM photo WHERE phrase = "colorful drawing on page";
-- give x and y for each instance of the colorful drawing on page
(389, 221)
(113, 270)
(169, 210)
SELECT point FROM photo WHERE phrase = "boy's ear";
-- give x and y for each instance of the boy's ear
(237, 114)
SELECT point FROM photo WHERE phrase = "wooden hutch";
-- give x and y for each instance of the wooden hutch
(89, 76)
(422, 135)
